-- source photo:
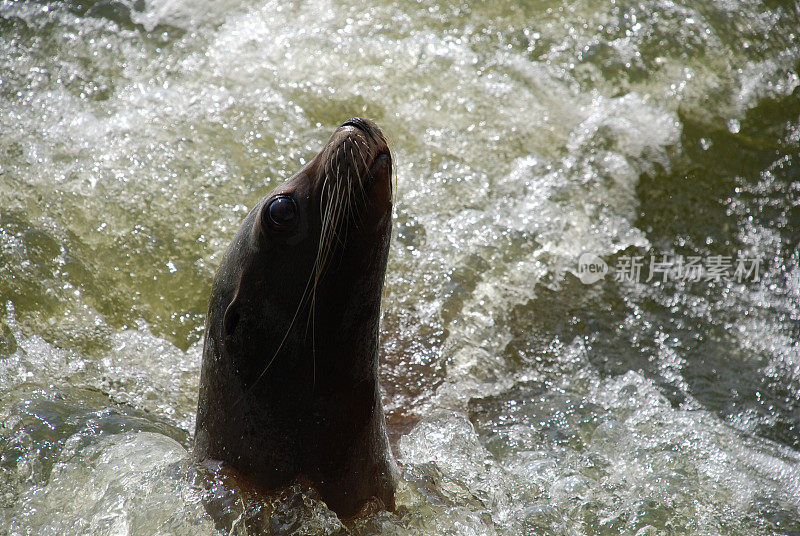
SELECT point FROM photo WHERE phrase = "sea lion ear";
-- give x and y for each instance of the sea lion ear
(234, 340)
(230, 320)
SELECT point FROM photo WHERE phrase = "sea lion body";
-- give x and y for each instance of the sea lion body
(289, 383)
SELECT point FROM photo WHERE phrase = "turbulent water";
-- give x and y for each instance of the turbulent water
(523, 395)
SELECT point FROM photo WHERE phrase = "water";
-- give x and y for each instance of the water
(134, 137)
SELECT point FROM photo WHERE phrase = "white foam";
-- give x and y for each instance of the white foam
(136, 483)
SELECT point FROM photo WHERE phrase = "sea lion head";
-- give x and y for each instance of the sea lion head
(289, 384)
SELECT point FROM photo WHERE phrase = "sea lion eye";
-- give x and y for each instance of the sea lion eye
(281, 213)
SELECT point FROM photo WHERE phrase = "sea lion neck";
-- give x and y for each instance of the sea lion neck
(289, 383)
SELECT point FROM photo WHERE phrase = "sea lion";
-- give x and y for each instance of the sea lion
(289, 382)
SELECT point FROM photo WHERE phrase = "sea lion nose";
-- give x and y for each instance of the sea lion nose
(359, 123)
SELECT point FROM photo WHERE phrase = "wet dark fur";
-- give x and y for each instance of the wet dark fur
(289, 383)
